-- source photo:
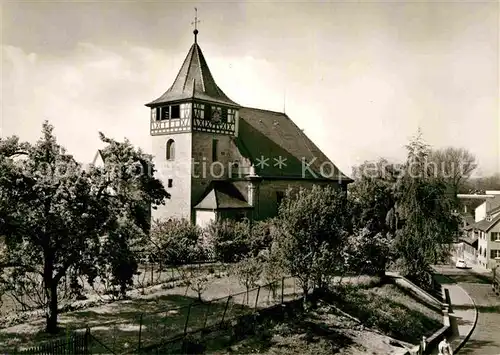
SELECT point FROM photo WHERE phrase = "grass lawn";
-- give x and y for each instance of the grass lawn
(391, 310)
(390, 317)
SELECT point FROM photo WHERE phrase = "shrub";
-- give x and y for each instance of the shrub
(176, 242)
(261, 236)
(229, 240)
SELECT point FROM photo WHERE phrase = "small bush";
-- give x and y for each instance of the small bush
(176, 242)
(229, 240)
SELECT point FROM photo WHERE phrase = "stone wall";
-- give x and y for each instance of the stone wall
(179, 170)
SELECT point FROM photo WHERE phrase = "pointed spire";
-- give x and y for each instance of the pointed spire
(195, 23)
(194, 80)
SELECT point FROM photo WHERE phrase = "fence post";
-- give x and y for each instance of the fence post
(423, 347)
(282, 290)
(187, 319)
(257, 299)
(206, 315)
(87, 342)
(225, 310)
(140, 334)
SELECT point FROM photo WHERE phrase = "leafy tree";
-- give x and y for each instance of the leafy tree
(176, 242)
(373, 202)
(229, 240)
(313, 229)
(426, 206)
(61, 220)
(261, 235)
(369, 253)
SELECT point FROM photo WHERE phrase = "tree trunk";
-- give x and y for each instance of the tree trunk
(50, 285)
(52, 311)
(305, 292)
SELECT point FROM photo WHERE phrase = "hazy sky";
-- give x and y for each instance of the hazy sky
(359, 77)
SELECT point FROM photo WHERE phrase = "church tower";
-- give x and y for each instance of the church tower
(193, 127)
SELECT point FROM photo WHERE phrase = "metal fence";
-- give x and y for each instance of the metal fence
(166, 331)
(74, 343)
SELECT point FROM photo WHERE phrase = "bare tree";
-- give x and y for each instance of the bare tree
(453, 165)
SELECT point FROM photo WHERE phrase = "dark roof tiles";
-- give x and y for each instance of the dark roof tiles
(289, 152)
(194, 81)
(485, 225)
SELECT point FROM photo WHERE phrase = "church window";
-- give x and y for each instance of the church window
(170, 149)
(175, 111)
(170, 183)
(214, 150)
(164, 113)
(199, 111)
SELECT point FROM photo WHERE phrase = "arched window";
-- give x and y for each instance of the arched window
(170, 149)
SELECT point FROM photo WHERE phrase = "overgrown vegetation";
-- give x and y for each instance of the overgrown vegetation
(326, 329)
(66, 227)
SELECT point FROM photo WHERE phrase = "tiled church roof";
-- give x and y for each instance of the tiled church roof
(266, 134)
(194, 81)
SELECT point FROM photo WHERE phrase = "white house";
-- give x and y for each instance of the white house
(481, 245)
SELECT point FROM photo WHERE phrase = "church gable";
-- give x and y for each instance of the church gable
(222, 195)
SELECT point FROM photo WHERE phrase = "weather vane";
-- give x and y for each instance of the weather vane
(195, 23)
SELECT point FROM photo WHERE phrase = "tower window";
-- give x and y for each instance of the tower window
(170, 183)
(175, 111)
(230, 115)
(170, 149)
(199, 111)
(214, 150)
(185, 110)
(164, 113)
(216, 113)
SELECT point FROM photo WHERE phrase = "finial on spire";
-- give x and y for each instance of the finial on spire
(195, 23)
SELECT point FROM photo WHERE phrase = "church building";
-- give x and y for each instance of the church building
(218, 159)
